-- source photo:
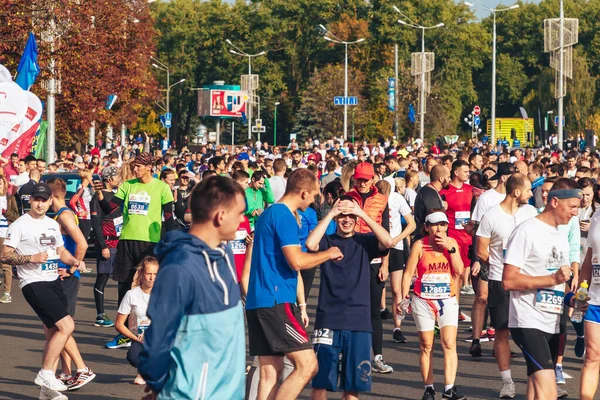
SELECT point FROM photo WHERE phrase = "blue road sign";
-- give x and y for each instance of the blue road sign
(341, 100)
(477, 120)
(168, 120)
(556, 120)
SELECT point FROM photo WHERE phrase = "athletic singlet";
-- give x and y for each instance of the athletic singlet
(459, 211)
(69, 243)
(434, 274)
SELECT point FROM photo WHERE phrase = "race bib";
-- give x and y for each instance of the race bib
(550, 300)
(377, 260)
(118, 223)
(323, 336)
(461, 218)
(504, 246)
(595, 271)
(139, 203)
(50, 267)
(435, 286)
(238, 246)
(142, 328)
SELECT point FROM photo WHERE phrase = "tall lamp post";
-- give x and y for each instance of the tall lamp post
(239, 52)
(422, 91)
(493, 11)
(164, 67)
(275, 125)
(332, 38)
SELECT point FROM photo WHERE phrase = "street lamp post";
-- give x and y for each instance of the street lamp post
(494, 36)
(334, 39)
(422, 91)
(275, 125)
(239, 52)
(164, 67)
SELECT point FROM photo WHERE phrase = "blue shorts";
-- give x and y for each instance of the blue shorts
(343, 356)
(592, 314)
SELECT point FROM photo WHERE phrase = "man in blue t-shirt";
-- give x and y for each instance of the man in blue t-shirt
(275, 328)
(343, 323)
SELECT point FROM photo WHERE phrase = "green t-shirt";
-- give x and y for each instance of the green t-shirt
(142, 209)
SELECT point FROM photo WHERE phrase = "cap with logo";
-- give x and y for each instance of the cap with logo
(41, 190)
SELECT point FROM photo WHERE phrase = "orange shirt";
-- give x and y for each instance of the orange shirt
(435, 280)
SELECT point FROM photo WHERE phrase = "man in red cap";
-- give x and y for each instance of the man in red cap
(376, 206)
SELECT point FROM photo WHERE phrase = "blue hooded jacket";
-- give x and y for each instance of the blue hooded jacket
(195, 347)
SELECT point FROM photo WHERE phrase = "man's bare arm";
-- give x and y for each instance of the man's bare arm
(10, 257)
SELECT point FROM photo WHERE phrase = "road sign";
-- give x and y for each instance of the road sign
(341, 100)
(476, 120)
(261, 129)
(168, 117)
(258, 123)
(556, 120)
(476, 111)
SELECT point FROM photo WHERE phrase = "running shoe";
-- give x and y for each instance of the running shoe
(453, 394)
(64, 378)
(81, 379)
(508, 390)
(104, 321)
(462, 317)
(118, 342)
(139, 380)
(49, 382)
(475, 349)
(49, 394)
(436, 330)
(561, 393)
(380, 366)
(398, 336)
(387, 314)
(580, 346)
(6, 298)
(491, 333)
(429, 394)
(467, 289)
(560, 377)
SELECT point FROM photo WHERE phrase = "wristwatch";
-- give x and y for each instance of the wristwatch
(452, 250)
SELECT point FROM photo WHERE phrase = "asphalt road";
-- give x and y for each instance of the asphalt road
(21, 343)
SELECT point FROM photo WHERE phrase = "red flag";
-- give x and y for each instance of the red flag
(22, 145)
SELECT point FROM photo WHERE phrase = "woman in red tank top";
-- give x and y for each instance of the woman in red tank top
(437, 263)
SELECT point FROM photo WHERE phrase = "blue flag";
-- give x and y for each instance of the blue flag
(411, 114)
(28, 68)
(244, 118)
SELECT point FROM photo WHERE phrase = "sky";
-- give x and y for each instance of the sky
(481, 13)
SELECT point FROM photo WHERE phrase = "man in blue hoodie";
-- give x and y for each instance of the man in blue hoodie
(195, 347)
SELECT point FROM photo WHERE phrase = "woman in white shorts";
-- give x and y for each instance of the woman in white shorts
(437, 262)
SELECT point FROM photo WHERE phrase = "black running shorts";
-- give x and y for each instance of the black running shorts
(539, 348)
(276, 331)
(499, 304)
(47, 300)
(129, 254)
(397, 260)
(70, 287)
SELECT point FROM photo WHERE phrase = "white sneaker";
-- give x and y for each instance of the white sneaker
(508, 390)
(49, 394)
(49, 382)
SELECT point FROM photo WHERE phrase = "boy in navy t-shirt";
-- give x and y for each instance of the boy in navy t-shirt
(343, 321)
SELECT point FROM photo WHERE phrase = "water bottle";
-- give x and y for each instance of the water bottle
(404, 305)
(580, 297)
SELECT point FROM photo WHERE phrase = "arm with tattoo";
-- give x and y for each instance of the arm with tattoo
(10, 257)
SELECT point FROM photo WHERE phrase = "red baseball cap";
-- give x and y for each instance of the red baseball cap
(364, 170)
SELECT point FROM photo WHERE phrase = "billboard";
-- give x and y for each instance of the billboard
(222, 103)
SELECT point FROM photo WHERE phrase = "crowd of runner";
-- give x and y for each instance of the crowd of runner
(206, 245)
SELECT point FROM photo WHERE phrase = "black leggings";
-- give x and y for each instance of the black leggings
(123, 288)
(308, 276)
(99, 286)
(133, 354)
(376, 292)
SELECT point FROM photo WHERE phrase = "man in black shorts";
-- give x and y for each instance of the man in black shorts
(536, 269)
(34, 244)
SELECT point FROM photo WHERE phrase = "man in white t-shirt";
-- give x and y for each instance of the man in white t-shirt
(277, 181)
(536, 268)
(486, 201)
(34, 244)
(492, 236)
(397, 263)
